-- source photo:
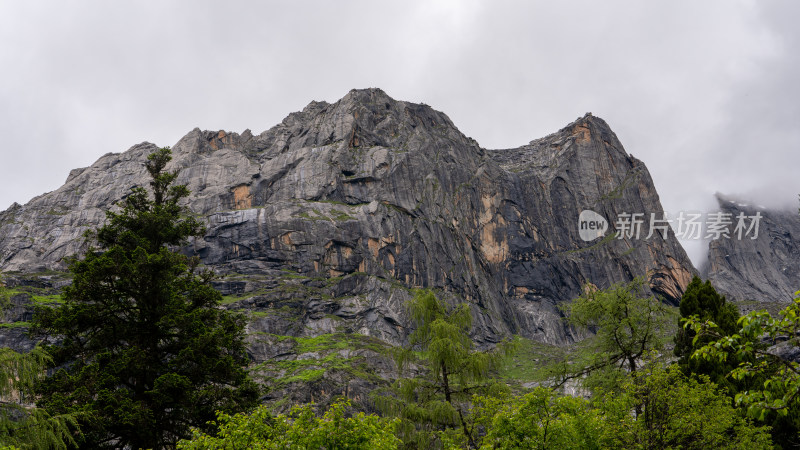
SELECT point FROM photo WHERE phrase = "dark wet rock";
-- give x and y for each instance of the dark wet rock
(755, 272)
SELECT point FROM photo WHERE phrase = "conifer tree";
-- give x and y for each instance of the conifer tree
(435, 403)
(702, 301)
(143, 352)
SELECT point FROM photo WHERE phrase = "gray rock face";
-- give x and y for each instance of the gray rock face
(757, 271)
(330, 217)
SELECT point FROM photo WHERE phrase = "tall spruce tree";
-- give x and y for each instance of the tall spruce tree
(143, 352)
(701, 300)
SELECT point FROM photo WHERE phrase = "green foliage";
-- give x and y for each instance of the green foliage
(627, 326)
(37, 295)
(301, 428)
(541, 419)
(5, 297)
(530, 362)
(435, 404)
(20, 424)
(677, 411)
(144, 352)
(776, 396)
(316, 356)
(701, 300)
(19, 371)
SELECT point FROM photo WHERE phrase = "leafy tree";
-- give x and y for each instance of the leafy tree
(299, 429)
(143, 350)
(22, 425)
(543, 419)
(762, 344)
(682, 412)
(434, 404)
(676, 411)
(627, 324)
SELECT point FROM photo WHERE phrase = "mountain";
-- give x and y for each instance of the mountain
(759, 268)
(322, 225)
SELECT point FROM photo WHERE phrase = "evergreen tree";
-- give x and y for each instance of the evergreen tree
(435, 403)
(702, 301)
(143, 351)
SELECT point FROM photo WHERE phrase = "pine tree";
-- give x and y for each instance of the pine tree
(435, 403)
(703, 301)
(143, 352)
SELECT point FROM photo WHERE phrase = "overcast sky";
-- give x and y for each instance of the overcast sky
(704, 92)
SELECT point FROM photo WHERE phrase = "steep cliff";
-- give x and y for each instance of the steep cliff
(321, 225)
(761, 271)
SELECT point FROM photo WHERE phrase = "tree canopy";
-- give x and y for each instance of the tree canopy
(300, 428)
(701, 300)
(763, 347)
(143, 352)
(627, 326)
(435, 402)
(674, 413)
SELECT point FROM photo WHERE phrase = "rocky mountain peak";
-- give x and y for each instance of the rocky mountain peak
(363, 118)
(755, 266)
(367, 198)
(368, 96)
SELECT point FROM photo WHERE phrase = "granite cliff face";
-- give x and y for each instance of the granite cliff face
(755, 272)
(392, 190)
(323, 224)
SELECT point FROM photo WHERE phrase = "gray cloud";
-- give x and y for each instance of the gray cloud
(704, 93)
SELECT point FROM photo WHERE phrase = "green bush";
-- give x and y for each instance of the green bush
(301, 428)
